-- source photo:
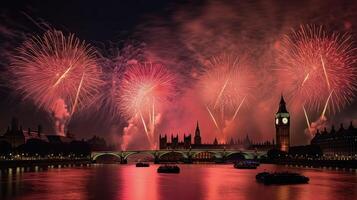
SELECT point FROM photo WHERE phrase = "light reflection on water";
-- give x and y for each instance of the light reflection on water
(204, 181)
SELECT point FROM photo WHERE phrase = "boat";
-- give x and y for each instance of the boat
(245, 164)
(281, 178)
(168, 169)
(141, 164)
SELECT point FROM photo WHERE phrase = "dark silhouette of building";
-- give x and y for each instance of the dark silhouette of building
(342, 142)
(16, 136)
(282, 126)
(197, 135)
(246, 143)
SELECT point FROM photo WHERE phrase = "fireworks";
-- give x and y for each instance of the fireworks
(114, 66)
(316, 63)
(54, 67)
(145, 89)
(226, 84)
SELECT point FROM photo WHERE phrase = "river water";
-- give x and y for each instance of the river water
(198, 181)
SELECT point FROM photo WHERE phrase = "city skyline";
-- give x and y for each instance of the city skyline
(252, 110)
(203, 99)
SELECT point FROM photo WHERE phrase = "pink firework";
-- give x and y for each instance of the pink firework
(225, 86)
(113, 66)
(318, 69)
(145, 90)
(54, 66)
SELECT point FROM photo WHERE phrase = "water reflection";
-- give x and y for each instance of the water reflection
(194, 182)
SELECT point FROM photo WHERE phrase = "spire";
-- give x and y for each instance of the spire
(215, 142)
(351, 126)
(197, 132)
(282, 105)
(341, 128)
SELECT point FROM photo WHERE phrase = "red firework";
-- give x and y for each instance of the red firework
(318, 68)
(52, 67)
(226, 84)
(145, 89)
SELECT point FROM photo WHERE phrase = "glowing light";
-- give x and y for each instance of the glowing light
(236, 112)
(145, 89)
(314, 62)
(49, 70)
(326, 104)
(213, 119)
(226, 83)
(306, 117)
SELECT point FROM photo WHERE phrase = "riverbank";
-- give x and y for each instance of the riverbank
(347, 164)
(44, 162)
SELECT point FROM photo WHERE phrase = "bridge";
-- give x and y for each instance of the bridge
(185, 155)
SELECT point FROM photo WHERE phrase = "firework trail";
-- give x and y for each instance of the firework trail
(306, 117)
(56, 68)
(225, 85)
(213, 118)
(314, 64)
(145, 90)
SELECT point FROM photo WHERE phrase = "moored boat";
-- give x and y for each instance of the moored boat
(141, 164)
(245, 164)
(168, 169)
(281, 178)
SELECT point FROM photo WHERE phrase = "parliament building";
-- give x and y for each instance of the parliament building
(282, 126)
(245, 143)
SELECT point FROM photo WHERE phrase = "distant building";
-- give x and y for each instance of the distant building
(197, 144)
(282, 127)
(16, 136)
(341, 142)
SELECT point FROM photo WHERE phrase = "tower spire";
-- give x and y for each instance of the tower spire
(282, 105)
(197, 132)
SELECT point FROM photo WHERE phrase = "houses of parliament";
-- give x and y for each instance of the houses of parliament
(282, 125)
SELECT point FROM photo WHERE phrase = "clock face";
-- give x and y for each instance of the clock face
(276, 121)
(285, 120)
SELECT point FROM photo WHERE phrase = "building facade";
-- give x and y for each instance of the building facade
(282, 127)
(186, 143)
(341, 142)
(16, 136)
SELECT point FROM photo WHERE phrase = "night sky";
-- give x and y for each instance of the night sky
(182, 35)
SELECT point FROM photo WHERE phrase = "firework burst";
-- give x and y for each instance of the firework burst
(226, 85)
(52, 67)
(316, 63)
(114, 67)
(145, 89)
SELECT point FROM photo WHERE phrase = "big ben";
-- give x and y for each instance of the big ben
(282, 127)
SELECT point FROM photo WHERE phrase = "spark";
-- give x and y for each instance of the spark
(306, 117)
(323, 66)
(77, 94)
(62, 76)
(213, 119)
(326, 104)
(236, 112)
(305, 79)
(220, 93)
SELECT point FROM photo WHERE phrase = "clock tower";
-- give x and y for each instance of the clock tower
(282, 127)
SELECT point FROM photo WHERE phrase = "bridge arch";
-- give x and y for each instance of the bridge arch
(183, 154)
(151, 154)
(97, 155)
(236, 156)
